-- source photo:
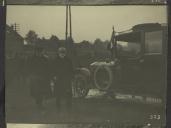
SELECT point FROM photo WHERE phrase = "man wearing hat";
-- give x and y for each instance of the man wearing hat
(63, 72)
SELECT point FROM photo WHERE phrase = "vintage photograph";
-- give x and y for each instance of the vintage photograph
(86, 64)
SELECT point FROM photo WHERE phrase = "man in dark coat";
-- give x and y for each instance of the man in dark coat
(39, 77)
(63, 72)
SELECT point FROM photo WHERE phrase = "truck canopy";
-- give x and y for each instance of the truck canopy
(134, 36)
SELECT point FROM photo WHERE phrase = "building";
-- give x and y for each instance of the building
(14, 42)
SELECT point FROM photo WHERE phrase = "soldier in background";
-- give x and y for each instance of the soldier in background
(63, 72)
(39, 77)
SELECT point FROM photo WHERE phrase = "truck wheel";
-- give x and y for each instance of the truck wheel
(103, 77)
(80, 86)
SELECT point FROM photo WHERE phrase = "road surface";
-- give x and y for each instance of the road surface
(20, 108)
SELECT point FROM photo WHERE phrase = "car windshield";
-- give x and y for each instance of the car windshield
(128, 49)
(153, 42)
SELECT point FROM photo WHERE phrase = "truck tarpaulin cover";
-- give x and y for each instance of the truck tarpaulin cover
(134, 37)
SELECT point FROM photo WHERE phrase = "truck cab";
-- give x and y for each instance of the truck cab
(142, 54)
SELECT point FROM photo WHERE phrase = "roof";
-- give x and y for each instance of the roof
(135, 34)
(147, 27)
(10, 31)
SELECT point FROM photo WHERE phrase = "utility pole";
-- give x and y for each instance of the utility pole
(68, 34)
(15, 27)
(66, 31)
(68, 21)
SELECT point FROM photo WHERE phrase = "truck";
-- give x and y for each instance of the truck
(138, 64)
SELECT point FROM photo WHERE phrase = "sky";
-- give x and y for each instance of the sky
(88, 22)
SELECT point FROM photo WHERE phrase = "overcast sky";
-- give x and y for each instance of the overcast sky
(88, 22)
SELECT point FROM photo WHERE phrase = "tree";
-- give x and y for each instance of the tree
(54, 38)
(97, 41)
(31, 37)
(98, 45)
(54, 41)
(85, 44)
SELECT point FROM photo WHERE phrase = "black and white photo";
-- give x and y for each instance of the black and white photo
(86, 64)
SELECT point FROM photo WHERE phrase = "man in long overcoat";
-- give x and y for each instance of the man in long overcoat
(39, 77)
(63, 72)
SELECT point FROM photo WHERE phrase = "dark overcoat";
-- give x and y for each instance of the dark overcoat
(63, 71)
(39, 77)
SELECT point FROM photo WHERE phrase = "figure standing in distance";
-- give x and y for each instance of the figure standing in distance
(63, 72)
(39, 77)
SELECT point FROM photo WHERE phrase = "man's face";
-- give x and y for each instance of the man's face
(62, 52)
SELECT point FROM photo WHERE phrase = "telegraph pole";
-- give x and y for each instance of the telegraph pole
(70, 21)
(66, 31)
(15, 27)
